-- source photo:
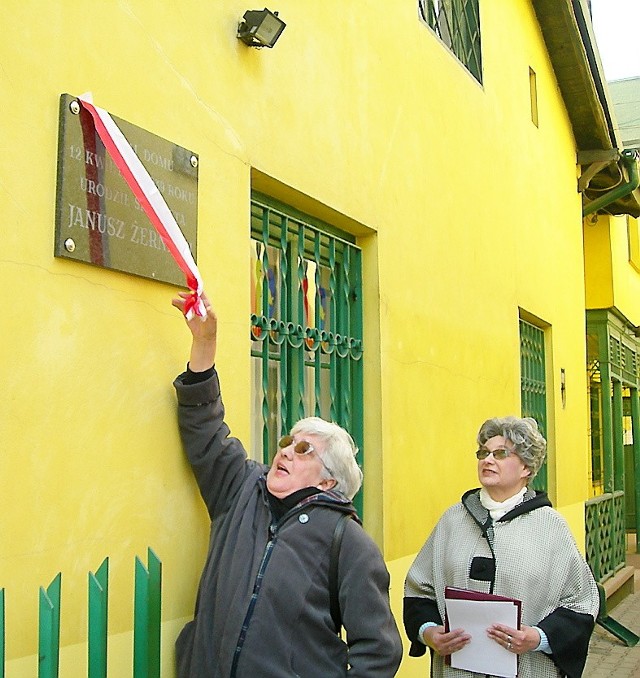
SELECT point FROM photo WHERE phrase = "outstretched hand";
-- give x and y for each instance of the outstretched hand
(204, 331)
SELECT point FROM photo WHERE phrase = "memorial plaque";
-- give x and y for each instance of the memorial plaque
(98, 219)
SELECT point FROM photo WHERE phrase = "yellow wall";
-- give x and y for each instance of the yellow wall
(499, 229)
(626, 278)
(598, 262)
(465, 210)
(612, 264)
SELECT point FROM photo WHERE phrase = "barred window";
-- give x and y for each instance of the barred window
(533, 385)
(306, 326)
(596, 429)
(457, 24)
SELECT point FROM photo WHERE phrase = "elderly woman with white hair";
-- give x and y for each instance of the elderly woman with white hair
(505, 538)
(278, 583)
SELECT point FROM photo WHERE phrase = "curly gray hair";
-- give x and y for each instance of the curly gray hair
(528, 442)
(339, 453)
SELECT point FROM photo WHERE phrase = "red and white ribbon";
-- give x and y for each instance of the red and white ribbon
(151, 201)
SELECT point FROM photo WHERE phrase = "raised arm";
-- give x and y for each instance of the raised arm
(218, 461)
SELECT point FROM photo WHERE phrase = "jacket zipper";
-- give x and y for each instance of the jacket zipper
(484, 529)
(254, 599)
(268, 550)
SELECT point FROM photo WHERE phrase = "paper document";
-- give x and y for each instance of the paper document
(475, 612)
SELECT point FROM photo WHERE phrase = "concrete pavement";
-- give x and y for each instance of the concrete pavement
(609, 657)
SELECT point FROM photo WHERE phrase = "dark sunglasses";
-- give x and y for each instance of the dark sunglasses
(302, 447)
(500, 453)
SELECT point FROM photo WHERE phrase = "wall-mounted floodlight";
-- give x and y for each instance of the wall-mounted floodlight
(260, 28)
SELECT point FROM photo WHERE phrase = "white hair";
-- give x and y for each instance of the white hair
(339, 453)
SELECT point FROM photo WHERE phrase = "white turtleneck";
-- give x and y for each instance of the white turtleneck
(498, 508)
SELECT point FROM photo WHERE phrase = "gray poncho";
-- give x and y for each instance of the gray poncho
(529, 554)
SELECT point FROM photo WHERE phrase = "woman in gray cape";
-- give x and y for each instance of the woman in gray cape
(505, 538)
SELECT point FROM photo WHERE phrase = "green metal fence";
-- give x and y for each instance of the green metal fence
(98, 616)
(2, 634)
(605, 534)
(49, 635)
(146, 639)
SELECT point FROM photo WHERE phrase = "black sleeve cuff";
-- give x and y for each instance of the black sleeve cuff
(568, 633)
(202, 391)
(189, 377)
(417, 611)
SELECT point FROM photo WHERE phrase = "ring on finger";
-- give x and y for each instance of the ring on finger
(509, 645)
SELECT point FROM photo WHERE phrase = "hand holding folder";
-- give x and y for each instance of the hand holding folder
(475, 612)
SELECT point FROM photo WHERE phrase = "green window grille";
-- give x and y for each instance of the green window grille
(533, 385)
(306, 326)
(457, 24)
(602, 354)
(596, 415)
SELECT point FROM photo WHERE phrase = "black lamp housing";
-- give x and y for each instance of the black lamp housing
(260, 28)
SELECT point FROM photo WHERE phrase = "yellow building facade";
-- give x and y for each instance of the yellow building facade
(460, 195)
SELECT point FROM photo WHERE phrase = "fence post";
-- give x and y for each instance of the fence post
(98, 615)
(49, 631)
(2, 633)
(146, 629)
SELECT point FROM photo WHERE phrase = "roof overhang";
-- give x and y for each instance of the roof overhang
(568, 33)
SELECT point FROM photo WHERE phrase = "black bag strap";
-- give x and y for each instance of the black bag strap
(334, 603)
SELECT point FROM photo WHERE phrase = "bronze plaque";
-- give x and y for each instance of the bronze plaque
(98, 219)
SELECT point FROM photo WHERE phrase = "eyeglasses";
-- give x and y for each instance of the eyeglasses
(302, 448)
(500, 453)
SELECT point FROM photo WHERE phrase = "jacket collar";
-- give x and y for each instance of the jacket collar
(328, 498)
(533, 499)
